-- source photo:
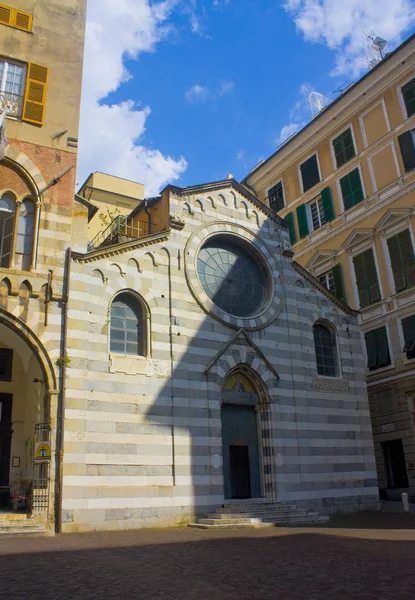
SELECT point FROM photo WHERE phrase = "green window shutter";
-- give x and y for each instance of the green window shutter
(338, 283)
(402, 260)
(366, 278)
(352, 190)
(377, 349)
(383, 356)
(327, 204)
(408, 93)
(309, 173)
(291, 227)
(302, 220)
(408, 328)
(370, 339)
(356, 186)
(344, 148)
(407, 146)
(346, 192)
(408, 257)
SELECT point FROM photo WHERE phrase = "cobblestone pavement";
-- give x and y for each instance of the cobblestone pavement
(363, 557)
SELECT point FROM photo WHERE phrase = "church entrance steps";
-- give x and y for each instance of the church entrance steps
(259, 514)
(20, 525)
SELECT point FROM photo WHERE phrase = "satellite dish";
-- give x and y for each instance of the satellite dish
(380, 42)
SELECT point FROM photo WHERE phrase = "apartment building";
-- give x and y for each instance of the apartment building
(345, 185)
(41, 53)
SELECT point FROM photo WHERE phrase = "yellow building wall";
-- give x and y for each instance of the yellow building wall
(57, 39)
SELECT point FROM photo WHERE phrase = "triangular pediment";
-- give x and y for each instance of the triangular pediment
(392, 217)
(319, 258)
(358, 236)
(242, 335)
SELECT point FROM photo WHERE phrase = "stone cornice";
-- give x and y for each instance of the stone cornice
(117, 249)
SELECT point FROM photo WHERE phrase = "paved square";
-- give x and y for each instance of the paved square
(364, 557)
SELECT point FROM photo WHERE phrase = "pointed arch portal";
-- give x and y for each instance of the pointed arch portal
(240, 439)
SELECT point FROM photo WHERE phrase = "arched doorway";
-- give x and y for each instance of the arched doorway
(25, 376)
(242, 468)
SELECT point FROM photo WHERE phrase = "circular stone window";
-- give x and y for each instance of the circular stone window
(231, 277)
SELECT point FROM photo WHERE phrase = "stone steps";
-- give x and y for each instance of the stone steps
(258, 514)
(20, 525)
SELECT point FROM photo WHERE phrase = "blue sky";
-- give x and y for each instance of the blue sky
(186, 92)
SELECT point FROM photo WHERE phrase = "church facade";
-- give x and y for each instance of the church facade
(204, 365)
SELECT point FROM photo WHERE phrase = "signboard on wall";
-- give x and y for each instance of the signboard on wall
(43, 451)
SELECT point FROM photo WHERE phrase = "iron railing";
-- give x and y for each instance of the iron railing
(41, 471)
(121, 229)
(12, 103)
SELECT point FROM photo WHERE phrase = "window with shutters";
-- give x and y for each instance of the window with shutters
(408, 330)
(291, 227)
(12, 17)
(316, 212)
(23, 90)
(402, 259)
(407, 147)
(276, 197)
(366, 278)
(343, 147)
(377, 349)
(325, 348)
(327, 280)
(351, 189)
(408, 95)
(333, 281)
(310, 174)
(126, 325)
(12, 87)
(17, 223)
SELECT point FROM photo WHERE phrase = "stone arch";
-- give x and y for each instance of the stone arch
(152, 258)
(246, 207)
(222, 197)
(5, 290)
(189, 208)
(34, 343)
(200, 203)
(132, 262)
(98, 273)
(17, 159)
(212, 201)
(119, 268)
(147, 350)
(256, 217)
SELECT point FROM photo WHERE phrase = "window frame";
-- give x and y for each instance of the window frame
(401, 97)
(339, 189)
(386, 237)
(7, 62)
(336, 363)
(318, 201)
(31, 261)
(145, 326)
(283, 195)
(332, 151)
(391, 365)
(411, 130)
(402, 338)
(300, 177)
(327, 275)
(360, 249)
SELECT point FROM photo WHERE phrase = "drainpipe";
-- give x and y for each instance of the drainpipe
(61, 399)
(148, 216)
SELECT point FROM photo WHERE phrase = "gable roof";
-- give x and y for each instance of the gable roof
(228, 183)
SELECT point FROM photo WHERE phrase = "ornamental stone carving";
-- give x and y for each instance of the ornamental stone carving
(328, 384)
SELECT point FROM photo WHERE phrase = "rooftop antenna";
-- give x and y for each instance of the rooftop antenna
(373, 46)
(315, 100)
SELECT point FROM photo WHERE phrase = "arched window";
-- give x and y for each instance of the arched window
(24, 238)
(7, 216)
(325, 347)
(126, 325)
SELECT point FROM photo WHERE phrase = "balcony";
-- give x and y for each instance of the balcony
(121, 229)
(12, 103)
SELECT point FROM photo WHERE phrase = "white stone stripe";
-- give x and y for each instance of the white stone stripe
(149, 502)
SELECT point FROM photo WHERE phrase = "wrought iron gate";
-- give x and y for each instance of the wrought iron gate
(41, 468)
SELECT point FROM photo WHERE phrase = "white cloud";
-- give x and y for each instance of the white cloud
(109, 134)
(288, 130)
(196, 92)
(199, 93)
(340, 25)
(240, 155)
